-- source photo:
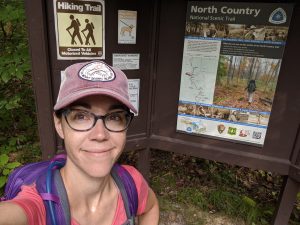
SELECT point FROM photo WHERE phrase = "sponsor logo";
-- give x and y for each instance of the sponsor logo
(231, 130)
(244, 133)
(278, 16)
(221, 128)
(256, 135)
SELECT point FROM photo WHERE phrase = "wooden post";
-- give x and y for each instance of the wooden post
(286, 201)
(38, 45)
(143, 163)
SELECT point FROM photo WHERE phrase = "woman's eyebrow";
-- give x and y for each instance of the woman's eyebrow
(118, 106)
(81, 104)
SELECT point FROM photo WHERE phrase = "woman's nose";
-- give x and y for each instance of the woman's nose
(99, 131)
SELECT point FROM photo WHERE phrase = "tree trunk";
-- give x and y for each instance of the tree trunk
(229, 70)
(252, 61)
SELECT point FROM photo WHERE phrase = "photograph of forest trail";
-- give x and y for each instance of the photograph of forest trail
(234, 75)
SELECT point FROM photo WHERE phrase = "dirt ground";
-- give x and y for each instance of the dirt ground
(236, 98)
(173, 212)
(178, 217)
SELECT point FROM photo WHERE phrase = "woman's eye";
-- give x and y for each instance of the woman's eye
(115, 117)
(80, 116)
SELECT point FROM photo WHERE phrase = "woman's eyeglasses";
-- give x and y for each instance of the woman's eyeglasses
(82, 120)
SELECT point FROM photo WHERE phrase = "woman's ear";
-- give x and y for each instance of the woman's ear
(58, 126)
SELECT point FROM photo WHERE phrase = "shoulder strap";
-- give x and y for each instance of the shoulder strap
(51, 188)
(56, 200)
(128, 191)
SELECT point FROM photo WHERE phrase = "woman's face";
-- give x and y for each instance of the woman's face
(95, 151)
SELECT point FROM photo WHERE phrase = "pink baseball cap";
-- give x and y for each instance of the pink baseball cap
(92, 78)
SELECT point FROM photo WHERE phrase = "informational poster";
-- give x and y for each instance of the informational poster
(126, 61)
(127, 27)
(79, 27)
(134, 93)
(230, 67)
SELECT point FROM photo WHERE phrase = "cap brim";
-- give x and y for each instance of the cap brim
(93, 91)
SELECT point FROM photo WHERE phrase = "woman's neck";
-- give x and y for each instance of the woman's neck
(84, 190)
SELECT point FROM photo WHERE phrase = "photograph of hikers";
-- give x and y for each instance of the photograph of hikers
(246, 82)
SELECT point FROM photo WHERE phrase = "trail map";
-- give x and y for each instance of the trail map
(231, 62)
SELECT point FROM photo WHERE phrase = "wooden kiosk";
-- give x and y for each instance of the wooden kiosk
(162, 29)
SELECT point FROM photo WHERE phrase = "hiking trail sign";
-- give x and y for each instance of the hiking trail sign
(79, 27)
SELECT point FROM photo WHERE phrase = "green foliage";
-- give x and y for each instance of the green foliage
(5, 168)
(223, 200)
(18, 131)
(193, 196)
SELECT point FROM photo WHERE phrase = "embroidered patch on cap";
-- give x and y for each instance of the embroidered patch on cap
(97, 71)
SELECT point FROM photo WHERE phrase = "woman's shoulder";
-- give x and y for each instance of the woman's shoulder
(131, 169)
(31, 202)
(136, 175)
(141, 186)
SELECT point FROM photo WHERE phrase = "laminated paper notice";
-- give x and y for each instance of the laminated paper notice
(126, 61)
(134, 90)
(127, 27)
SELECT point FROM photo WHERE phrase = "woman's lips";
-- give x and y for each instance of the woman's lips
(97, 152)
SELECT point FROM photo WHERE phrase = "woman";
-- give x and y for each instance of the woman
(92, 114)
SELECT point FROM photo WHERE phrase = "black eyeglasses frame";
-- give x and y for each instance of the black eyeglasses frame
(66, 111)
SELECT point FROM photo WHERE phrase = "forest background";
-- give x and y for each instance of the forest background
(185, 185)
(235, 73)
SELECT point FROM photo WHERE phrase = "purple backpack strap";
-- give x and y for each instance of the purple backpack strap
(128, 191)
(51, 188)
